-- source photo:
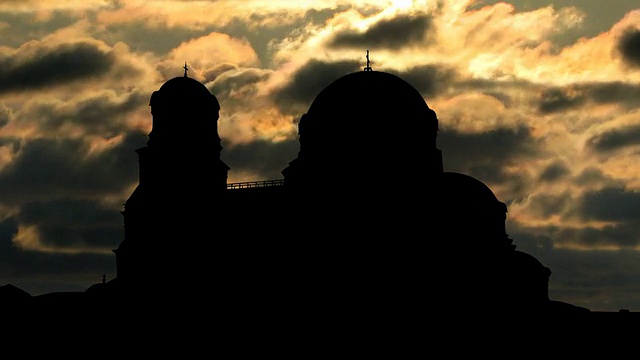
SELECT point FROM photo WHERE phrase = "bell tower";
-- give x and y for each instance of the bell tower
(181, 179)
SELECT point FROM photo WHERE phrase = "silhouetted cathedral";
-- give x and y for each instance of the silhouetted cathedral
(365, 228)
(364, 216)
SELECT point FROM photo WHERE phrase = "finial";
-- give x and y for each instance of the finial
(368, 68)
(185, 69)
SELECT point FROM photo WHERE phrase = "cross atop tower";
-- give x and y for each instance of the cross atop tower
(368, 68)
(185, 69)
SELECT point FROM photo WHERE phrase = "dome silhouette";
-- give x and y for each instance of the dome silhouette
(184, 90)
(370, 103)
(361, 125)
(465, 191)
(185, 114)
(382, 91)
(463, 199)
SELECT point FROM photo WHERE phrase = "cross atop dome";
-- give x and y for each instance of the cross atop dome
(185, 69)
(368, 68)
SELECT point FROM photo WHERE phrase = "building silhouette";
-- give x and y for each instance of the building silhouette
(365, 230)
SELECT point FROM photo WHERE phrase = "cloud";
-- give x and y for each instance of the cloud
(99, 113)
(614, 139)
(260, 159)
(394, 33)
(54, 271)
(308, 81)
(600, 280)
(20, 27)
(610, 204)
(58, 168)
(558, 99)
(629, 47)
(45, 67)
(554, 172)
(206, 52)
(430, 79)
(137, 33)
(20, 6)
(238, 83)
(546, 206)
(592, 176)
(486, 153)
(68, 224)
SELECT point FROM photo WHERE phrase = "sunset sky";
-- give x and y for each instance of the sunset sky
(540, 100)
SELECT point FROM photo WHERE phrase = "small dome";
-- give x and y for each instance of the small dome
(185, 114)
(529, 265)
(184, 90)
(466, 209)
(461, 190)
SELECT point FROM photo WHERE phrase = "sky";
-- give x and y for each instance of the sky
(540, 100)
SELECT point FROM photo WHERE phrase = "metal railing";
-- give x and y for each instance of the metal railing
(255, 184)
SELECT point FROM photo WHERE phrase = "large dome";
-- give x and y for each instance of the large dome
(367, 97)
(366, 121)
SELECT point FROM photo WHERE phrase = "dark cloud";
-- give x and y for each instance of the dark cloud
(498, 89)
(263, 158)
(429, 80)
(615, 139)
(311, 79)
(137, 35)
(592, 176)
(557, 99)
(485, 154)
(238, 81)
(4, 118)
(54, 168)
(68, 223)
(319, 17)
(8, 228)
(26, 26)
(212, 74)
(54, 66)
(629, 47)
(622, 235)
(610, 204)
(598, 280)
(614, 92)
(42, 272)
(99, 114)
(261, 38)
(14, 142)
(297, 95)
(391, 34)
(546, 206)
(554, 172)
